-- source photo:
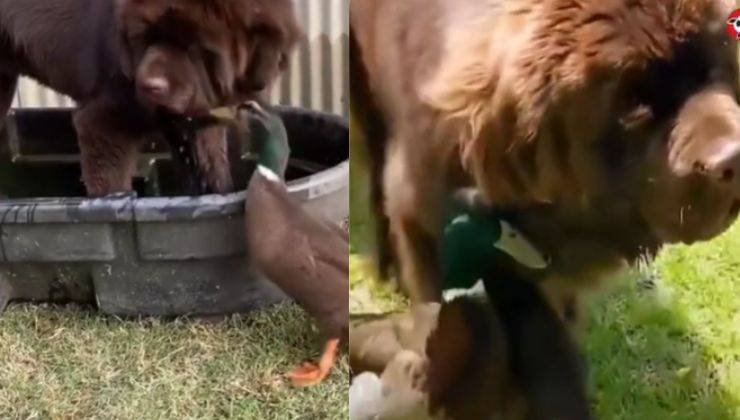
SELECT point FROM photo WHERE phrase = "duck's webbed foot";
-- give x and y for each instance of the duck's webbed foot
(311, 373)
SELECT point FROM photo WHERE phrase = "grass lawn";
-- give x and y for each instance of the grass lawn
(74, 363)
(665, 344)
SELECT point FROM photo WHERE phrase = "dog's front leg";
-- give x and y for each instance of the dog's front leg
(213, 159)
(417, 257)
(108, 156)
(201, 155)
(413, 205)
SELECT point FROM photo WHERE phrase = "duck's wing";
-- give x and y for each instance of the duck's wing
(449, 346)
(467, 361)
(340, 231)
(311, 278)
(547, 363)
(305, 258)
(327, 242)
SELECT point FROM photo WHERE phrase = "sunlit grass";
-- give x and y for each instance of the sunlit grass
(671, 350)
(74, 363)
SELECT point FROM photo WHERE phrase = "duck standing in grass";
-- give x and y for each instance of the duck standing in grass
(306, 257)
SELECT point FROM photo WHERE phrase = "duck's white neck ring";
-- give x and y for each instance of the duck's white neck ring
(268, 174)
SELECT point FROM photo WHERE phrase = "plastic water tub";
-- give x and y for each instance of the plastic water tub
(150, 252)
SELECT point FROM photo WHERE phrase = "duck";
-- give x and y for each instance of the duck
(467, 359)
(306, 257)
(504, 354)
(478, 239)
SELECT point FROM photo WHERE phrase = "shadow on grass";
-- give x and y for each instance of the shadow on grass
(647, 362)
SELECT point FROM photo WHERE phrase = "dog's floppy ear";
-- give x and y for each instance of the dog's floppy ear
(263, 65)
(148, 10)
(272, 49)
(275, 35)
(134, 16)
(266, 63)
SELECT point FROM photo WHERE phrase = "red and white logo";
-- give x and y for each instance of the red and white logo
(733, 24)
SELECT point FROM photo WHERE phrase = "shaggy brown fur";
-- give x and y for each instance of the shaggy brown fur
(365, 111)
(128, 63)
(605, 128)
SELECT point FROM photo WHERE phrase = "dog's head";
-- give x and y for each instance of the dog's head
(190, 56)
(608, 108)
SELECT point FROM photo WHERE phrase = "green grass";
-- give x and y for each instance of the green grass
(74, 363)
(667, 344)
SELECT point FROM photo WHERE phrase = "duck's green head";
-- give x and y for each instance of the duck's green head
(474, 241)
(269, 138)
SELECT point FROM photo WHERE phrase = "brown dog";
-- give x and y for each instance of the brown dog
(128, 63)
(605, 127)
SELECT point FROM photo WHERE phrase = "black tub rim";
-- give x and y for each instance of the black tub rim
(128, 207)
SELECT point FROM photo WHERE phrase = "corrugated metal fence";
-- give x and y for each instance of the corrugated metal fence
(318, 77)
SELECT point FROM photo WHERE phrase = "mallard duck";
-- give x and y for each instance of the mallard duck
(479, 243)
(506, 356)
(477, 238)
(467, 359)
(306, 257)
(543, 358)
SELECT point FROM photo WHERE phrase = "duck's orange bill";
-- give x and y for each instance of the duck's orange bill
(310, 373)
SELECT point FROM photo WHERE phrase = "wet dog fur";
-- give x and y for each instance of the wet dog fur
(130, 63)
